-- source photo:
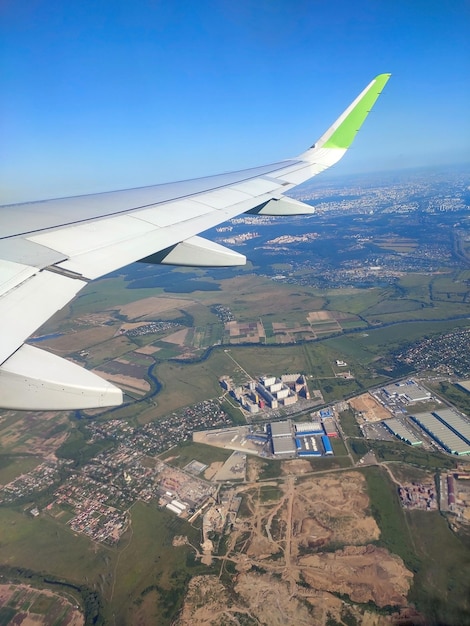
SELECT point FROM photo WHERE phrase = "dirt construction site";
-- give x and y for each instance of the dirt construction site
(298, 547)
(368, 409)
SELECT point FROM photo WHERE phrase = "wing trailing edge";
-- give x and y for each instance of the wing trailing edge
(282, 207)
(32, 379)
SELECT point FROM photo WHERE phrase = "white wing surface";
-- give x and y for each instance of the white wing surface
(49, 250)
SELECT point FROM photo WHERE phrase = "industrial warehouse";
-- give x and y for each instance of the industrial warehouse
(449, 429)
(400, 430)
(303, 440)
(283, 439)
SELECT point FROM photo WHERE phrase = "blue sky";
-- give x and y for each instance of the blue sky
(108, 95)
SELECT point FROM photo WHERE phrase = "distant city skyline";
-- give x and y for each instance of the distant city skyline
(108, 96)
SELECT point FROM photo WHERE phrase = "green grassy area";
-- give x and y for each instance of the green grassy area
(366, 346)
(359, 447)
(187, 451)
(144, 565)
(253, 297)
(42, 604)
(16, 435)
(330, 462)
(44, 544)
(269, 469)
(385, 506)
(186, 384)
(340, 388)
(403, 453)
(6, 615)
(320, 359)
(348, 325)
(275, 360)
(151, 575)
(349, 424)
(405, 473)
(386, 307)
(441, 588)
(450, 288)
(270, 493)
(200, 311)
(77, 448)
(109, 350)
(351, 300)
(352, 347)
(438, 311)
(108, 292)
(339, 449)
(166, 350)
(454, 395)
(415, 286)
(12, 466)
(325, 463)
(395, 451)
(234, 412)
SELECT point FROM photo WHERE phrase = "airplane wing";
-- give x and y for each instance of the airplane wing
(50, 250)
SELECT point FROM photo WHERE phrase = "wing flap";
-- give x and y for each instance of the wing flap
(13, 274)
(199, 252)
(118, 252)
(33, 379)
(283, 206)
(27, 306)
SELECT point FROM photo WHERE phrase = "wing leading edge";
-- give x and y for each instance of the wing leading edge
(50, 250)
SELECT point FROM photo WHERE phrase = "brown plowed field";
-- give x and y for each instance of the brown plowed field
(152, 306)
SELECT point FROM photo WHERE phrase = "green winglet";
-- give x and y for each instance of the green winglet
(343, 136)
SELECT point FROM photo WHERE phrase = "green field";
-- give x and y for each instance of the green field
(186, 384)
(106, 293)
(351, 300)
(450, 288)
(43, 543)
(151, 574)
(405, 473)
(187, 451)
(395, 534)
(349, 424)
(442, 580)
(269, 493)
(397, 452)
(368, 345)
(12, 466)
(145, 566)
(453, 394)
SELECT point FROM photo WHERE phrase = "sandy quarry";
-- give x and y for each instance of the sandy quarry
(364, 573)
(300, 541)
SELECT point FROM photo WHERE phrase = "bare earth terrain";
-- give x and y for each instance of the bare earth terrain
(299, 547)
(372, 411)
